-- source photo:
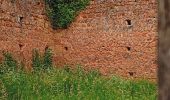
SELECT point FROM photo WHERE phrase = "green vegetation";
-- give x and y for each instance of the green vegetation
(62, 12)
(8, 64)
(49, 83)
(42, 62)
(58, 84)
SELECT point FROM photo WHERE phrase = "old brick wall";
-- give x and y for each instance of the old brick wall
(114, 36)
(23, 27)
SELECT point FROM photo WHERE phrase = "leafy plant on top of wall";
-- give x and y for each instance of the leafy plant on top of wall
(62, 12)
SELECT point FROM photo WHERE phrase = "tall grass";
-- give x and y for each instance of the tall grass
(42, 61)
(59, 84)
(66, 84)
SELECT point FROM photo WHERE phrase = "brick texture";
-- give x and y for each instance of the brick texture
(114, 36)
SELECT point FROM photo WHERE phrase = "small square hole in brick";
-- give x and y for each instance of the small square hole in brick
(66, 48)
(38, 3)
(131, 73)
(128, 48)
(20, 19)
(129, 22)
(46, 48)
(20, 46)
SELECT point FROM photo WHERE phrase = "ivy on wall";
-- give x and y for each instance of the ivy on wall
(62, 12)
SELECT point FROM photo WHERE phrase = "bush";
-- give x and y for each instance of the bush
(36, 60)
(8, 63)
(3, 92)
(62, 12)
(47, 59)
(42, 62)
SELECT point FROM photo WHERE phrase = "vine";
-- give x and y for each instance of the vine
(62, 12)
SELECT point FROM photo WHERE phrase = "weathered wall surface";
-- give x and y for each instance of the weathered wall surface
(114, 36)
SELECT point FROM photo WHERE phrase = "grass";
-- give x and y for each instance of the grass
(64, 84)
(48, 83)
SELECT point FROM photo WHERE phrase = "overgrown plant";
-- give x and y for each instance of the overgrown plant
(59, 84)
(62, 12)
(42, 62)
(36, 60)
(8, 63)
(47, 59)
(3, 92)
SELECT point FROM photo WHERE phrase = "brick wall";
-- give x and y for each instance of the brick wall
(113, 36)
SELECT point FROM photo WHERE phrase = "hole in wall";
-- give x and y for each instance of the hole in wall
(38, 3)
(20, 19)
(66, 48)
(46, 48)
(128, 48)
(131, 73)
(20, 46)
(129, 22)
(12, 1)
